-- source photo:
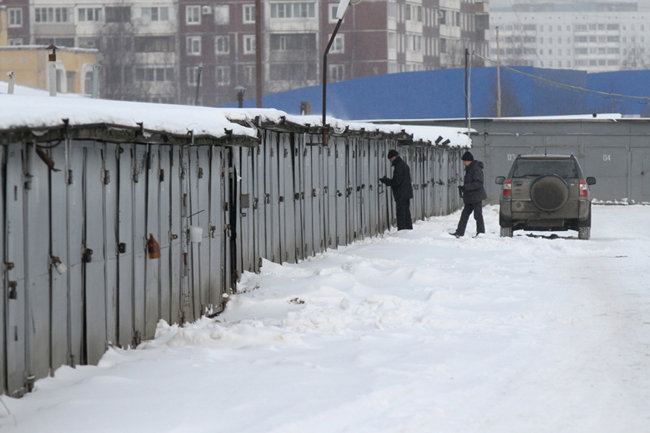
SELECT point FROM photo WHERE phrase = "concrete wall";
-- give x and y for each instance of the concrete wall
(30, 65)
(107, 232)
(616, 152)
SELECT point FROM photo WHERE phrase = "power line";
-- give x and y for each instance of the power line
(565, 85)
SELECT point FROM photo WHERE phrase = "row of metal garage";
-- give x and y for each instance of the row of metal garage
(108, 229)
(613, 148)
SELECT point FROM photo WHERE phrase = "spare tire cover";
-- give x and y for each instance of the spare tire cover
(549, 193)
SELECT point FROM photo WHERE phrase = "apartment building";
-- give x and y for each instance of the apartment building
(136, 41)
(591, 36)
(17, 21)
(199, 51)
(217, 38)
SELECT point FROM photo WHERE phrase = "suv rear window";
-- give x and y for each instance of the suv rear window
(526, 167)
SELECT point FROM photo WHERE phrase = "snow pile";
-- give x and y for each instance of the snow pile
(622, 202)
(175, 119)
(450, 136)
(412, 331)
(185, 119)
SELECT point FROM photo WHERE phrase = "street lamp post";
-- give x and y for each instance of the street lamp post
(240, 95)
(340, 13)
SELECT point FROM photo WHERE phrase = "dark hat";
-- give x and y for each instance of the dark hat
(467, 156)
(392, 153)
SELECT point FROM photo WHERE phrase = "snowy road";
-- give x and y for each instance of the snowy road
(411, 332)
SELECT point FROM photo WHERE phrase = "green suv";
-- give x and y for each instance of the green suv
(547, 193)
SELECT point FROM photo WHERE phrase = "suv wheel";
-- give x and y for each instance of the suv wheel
(584, 228)
(506, 232)
(549, 193)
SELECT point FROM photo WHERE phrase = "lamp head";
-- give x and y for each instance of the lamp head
(343, 7)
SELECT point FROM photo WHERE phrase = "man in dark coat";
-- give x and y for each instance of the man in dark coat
(402, 190)
(473, 194)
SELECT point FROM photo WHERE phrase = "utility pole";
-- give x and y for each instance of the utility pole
(468, 96)
(259, 43)
(498, 75)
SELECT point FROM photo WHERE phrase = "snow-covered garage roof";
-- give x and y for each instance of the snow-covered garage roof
(35, 111)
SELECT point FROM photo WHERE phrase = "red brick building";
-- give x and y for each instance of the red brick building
(376, 37)
(17, 21)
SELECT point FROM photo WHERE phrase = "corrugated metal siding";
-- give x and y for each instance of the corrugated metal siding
(617, 152)
(77, 216)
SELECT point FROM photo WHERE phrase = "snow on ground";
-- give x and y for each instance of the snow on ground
(409, 332)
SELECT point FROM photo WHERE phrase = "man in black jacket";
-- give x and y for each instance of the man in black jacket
(402, 190)
(473, 194)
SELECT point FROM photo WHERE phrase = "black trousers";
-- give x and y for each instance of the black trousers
(403, 210)
(477, 208)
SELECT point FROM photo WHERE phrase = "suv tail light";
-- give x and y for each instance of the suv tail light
(583, 188)
(507, 188)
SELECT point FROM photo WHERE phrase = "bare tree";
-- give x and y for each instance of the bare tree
(636, 58)
(118, 55)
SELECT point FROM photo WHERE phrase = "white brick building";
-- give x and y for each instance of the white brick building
(590, 36)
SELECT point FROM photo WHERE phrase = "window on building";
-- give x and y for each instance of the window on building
(90, 14)
(154, 44)
(222, 75)
(392, 41)
(333, 8)
(192, 15)
(59, 42)
(15, 17)
(88, 83)
(336, 72)
(88, 42)
(192, 76)
(292, 71)
(69, 81)
(154, 74)
(154, 13)
(222, 44)
(293, 41)
(193, 44)
(222, 15)
(249, 14)
(338, 45)
(118, 14)
(248, 74)
(15, 41)
(51, 15)
(392, 10)
(249, 44)
(407, 12)
(293, 10)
